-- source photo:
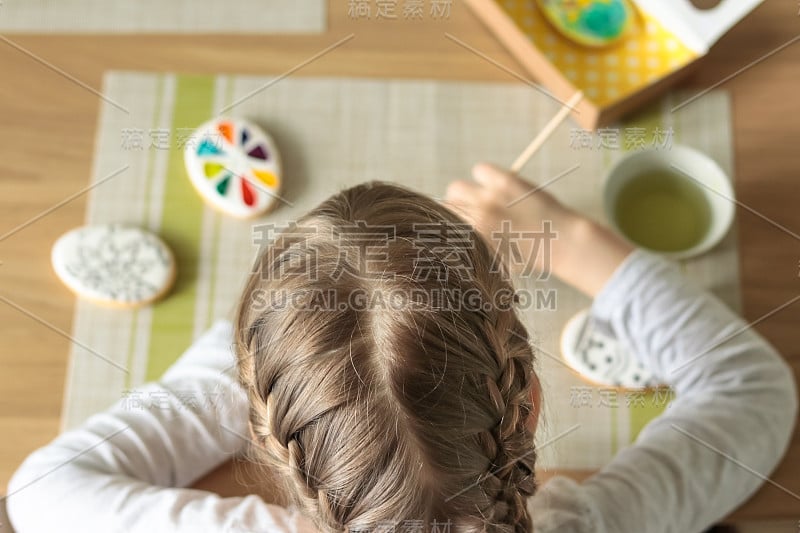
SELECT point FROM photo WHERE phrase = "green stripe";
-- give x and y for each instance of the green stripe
(652, 406)
(181, 228)
(647, 118)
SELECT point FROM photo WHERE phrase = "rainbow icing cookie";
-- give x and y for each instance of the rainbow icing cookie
(600, 358)
(235, 167)
(592, 23)
(115, 265)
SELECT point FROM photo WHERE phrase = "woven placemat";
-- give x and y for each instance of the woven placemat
(335, 132)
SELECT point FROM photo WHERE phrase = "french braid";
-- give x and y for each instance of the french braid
(375, 416)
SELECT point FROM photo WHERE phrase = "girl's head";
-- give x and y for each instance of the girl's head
(388, 376)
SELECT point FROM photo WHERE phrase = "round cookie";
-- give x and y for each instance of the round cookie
(593, 23)
(600, 358)
(235, 167)
(116, 265)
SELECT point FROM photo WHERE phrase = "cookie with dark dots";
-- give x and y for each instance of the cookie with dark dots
(600, 358)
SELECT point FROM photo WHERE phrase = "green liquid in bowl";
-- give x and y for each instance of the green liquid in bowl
(663, 211)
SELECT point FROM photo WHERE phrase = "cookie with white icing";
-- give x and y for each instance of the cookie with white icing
(599, 357)
(116, 265)
(235, 167)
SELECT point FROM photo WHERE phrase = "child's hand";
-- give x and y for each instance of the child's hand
(583, 253)
(497, 198)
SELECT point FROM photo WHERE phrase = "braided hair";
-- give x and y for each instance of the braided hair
(388, 375)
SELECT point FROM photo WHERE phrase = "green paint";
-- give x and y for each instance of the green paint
(181, 227)
(222, 186)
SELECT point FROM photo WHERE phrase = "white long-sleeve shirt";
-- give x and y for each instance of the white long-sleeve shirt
(124, 469)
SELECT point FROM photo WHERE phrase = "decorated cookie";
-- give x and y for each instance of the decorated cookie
(594, 23)
(599, 357)
(115, 265)
(235, 167)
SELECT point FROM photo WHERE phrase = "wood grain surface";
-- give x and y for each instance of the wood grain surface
(47, 125)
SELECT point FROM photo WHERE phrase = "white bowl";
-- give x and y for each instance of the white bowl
(692, 165)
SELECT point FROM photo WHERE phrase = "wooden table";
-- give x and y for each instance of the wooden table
(46, 142)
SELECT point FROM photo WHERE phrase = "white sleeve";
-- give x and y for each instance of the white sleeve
(725, 432)
(123, 469)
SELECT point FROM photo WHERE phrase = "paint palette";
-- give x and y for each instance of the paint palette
(235, 167)
(600, 358)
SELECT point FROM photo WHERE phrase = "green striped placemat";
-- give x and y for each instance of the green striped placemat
(335, 132)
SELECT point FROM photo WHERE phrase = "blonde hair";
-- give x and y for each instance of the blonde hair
(375, 415)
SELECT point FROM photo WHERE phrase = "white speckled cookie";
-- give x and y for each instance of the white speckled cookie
(120, 266)
(235, 167)
(600, 358)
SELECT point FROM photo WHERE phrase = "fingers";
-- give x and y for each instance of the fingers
(463, 192)
(486, 176)
(464, 198)
(491, 176)
(499, 180)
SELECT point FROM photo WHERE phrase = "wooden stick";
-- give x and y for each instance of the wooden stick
(548, 130)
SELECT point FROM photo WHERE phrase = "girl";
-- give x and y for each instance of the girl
(420, 415)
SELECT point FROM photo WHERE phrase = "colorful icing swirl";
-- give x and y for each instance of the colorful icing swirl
(235, 166)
